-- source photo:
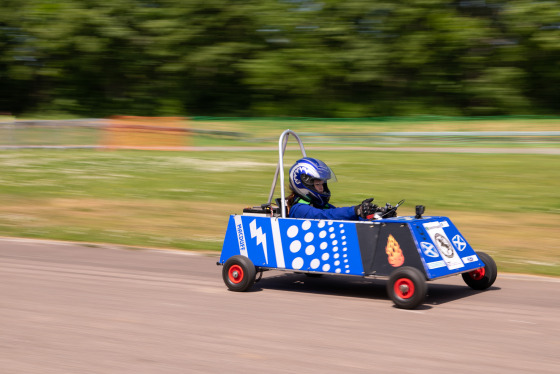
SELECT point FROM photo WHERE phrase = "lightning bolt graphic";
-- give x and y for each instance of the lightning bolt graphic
(261, 238)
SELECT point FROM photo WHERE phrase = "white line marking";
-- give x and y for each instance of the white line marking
(280, 263)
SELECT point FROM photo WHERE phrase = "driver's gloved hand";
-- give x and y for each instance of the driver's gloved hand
(366, 209)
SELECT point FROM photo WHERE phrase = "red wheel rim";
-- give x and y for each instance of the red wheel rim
(404, 288)
(235, 274)
(477, 274)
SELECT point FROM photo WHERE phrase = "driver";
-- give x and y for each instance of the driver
(310, 194)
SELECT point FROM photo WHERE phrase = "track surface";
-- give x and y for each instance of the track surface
(66, 308)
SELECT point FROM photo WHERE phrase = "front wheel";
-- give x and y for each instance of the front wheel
(239, 273)
(481, 279)
(407, 287)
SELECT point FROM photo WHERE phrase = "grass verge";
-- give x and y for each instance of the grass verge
(506, 205)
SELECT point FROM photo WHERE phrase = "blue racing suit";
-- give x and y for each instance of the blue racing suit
(303, 209)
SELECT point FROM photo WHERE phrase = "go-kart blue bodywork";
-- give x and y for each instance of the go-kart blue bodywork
(430, 244)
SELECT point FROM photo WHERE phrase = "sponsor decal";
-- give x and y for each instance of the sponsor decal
(443, 245)
(470, 259)
(429, 249)
(436, 264)
(432, 225)
(459, 242)
(240, 236)
(394, 252)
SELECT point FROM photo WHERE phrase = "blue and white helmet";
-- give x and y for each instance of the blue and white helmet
(302, 175)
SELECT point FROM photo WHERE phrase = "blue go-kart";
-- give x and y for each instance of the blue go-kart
(407, 250)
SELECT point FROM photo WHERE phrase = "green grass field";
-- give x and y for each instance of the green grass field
(505, 204)
(263, 131)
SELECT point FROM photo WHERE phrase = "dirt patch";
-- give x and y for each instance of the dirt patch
(156, 217)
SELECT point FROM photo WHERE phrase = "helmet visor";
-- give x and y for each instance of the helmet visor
(325, 173)
(310, 180)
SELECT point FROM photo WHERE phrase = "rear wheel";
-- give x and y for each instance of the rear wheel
(481, 279)
(407, 287)
(239, 273)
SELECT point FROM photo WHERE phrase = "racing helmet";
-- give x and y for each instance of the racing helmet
(302, 175)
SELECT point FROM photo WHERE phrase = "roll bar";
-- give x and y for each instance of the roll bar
(282, 142)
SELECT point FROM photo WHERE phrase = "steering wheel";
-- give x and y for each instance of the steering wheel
(393, 209)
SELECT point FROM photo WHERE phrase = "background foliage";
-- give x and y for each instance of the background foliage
(330, 58)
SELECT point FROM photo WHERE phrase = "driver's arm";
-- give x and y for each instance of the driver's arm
(307, 211)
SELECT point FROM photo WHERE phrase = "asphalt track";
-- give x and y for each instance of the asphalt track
(67, 308)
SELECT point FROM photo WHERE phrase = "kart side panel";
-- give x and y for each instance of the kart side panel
(321, 245)
(368, 238)
(295, 244)
(255, 244)
(395, 248)
(433, 245)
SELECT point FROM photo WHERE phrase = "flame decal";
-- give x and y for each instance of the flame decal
(394, 252)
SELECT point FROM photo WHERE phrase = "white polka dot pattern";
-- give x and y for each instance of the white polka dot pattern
(325, 243)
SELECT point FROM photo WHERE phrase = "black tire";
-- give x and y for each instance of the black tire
(482, 278)
(239, 273)
(407, 287)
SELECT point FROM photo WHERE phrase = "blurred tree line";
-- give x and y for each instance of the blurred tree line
(317, 58)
